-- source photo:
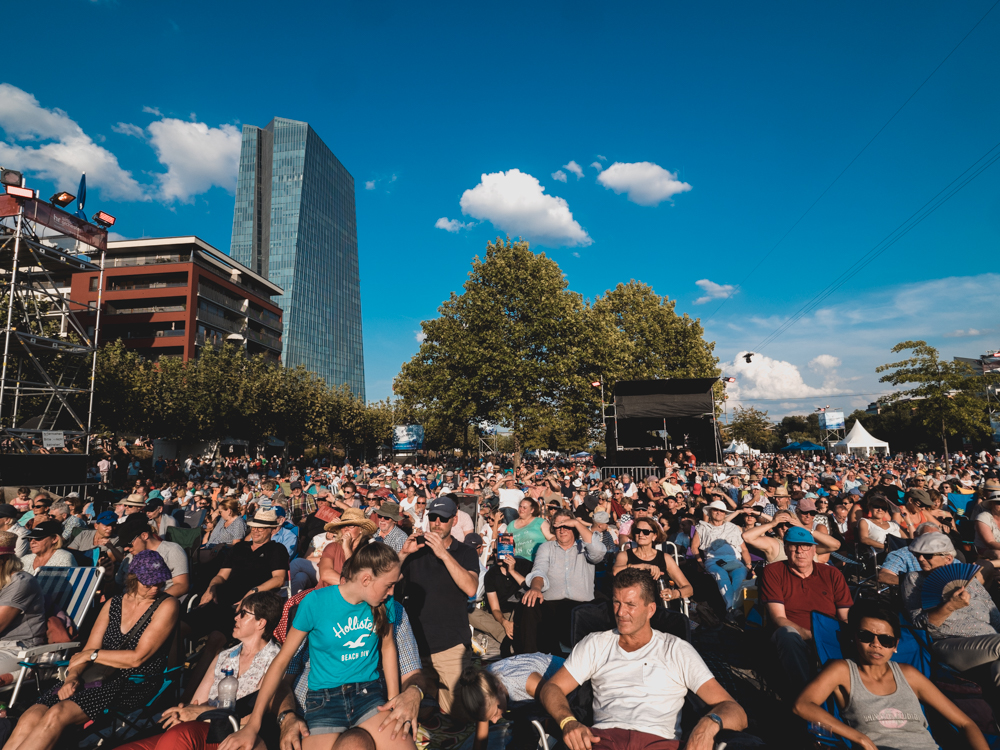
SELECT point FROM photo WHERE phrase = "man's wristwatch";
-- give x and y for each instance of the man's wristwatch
(717, 719)
(93, 656)
(284, 714)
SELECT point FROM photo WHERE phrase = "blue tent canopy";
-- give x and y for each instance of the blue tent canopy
(810, 447)
(792, 447)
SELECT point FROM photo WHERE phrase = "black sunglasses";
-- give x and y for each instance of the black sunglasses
(435, 518)
(927, 555)
(807, 513)
(644, 531)
(867, 636)
(563, 528)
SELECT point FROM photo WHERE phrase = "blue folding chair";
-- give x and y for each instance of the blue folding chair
(69, 590)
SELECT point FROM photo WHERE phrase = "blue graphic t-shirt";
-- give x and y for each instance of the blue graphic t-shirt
(342, 642)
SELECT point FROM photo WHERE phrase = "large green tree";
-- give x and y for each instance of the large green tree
(945, 395)
(751, 426)
(509, 350)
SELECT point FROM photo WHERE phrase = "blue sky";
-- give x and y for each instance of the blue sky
(711, 128)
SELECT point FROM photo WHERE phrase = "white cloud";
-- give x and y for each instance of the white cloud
(574, 168)
(370, 185)
(967, 333)
(712, 291)
(559, 175)
(453, 225)
(421, 336)
(197, 157)
(576, 255)
(645, 183)
(115, 237)
(768, 378)
(152, 111)
(515, 202)
(64, 150)
(127, 128)
(602, 158)
(597, 165)
(823, 362)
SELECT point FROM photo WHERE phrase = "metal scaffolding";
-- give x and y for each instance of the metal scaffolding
(47, 375)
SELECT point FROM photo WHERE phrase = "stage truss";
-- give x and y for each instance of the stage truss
(47, 375)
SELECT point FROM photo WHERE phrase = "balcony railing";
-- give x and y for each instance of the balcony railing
(165, 334)
(220, 322)
(151, 285)
(263, 339)
(233, 303)
(141, 310)
(270, 321)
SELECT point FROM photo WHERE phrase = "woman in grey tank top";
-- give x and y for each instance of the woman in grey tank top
(880, 700)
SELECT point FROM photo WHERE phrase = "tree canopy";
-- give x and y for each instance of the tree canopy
(945, 396)
(519, 349)
(223, 392)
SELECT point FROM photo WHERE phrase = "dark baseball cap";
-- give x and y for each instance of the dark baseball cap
(442, 506)
(45, 529)
(473, 540)
(9, 511)
(640, 504)
(154, 504)
(130, 528)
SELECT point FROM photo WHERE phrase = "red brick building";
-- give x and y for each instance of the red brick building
(172, 295)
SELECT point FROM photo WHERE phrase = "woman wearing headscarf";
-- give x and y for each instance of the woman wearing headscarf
(130, 639)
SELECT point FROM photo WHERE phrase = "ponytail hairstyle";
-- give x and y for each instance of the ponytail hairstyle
(472, 692)
(378, 558)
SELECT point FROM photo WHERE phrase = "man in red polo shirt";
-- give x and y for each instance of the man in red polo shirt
(792, 590)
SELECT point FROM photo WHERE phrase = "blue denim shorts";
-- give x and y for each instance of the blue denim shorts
(338, 709)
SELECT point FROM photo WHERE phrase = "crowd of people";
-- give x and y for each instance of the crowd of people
(355, 604)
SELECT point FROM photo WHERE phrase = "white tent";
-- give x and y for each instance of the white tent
(740, 448)
(860, 442)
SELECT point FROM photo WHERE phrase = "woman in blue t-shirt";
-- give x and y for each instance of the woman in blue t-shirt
(349, 627)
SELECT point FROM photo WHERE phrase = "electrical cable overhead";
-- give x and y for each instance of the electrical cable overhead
(849, 164)
(946, 193)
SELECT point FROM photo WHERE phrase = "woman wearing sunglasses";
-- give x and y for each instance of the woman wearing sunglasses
(880, 700)
(249, 659)
(647, 533)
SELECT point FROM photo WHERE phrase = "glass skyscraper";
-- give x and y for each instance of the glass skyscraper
(295, 225)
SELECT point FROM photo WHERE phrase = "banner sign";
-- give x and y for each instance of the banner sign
(408, 437)
(831, 420)
(53, 439)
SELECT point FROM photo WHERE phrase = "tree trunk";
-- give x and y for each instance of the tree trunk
(517, 451)
(944, 439)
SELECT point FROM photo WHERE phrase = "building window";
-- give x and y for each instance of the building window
(95, 283)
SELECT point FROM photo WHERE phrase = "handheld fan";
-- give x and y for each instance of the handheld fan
(942, 581)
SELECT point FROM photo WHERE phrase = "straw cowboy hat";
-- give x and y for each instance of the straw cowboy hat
(353, 517)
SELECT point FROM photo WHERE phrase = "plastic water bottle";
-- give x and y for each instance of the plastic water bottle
(227, 691)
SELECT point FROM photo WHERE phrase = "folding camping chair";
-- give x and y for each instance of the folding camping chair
(832, 640)
(189, 539)
(675, 551)
(69, 590)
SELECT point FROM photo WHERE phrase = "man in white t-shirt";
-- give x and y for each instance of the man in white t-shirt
(640, 678)
(510, 498)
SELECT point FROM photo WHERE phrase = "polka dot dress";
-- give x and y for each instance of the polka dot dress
(118, 690)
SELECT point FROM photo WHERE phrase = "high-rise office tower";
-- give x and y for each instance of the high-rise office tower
(295, 225)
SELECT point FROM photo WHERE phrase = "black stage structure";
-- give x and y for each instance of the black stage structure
(647, 418)
(48, 364)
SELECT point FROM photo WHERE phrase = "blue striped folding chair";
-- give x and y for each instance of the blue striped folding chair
(69, 590)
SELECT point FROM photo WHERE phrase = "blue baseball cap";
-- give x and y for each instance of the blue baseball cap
(107, 518)
(798, 535)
